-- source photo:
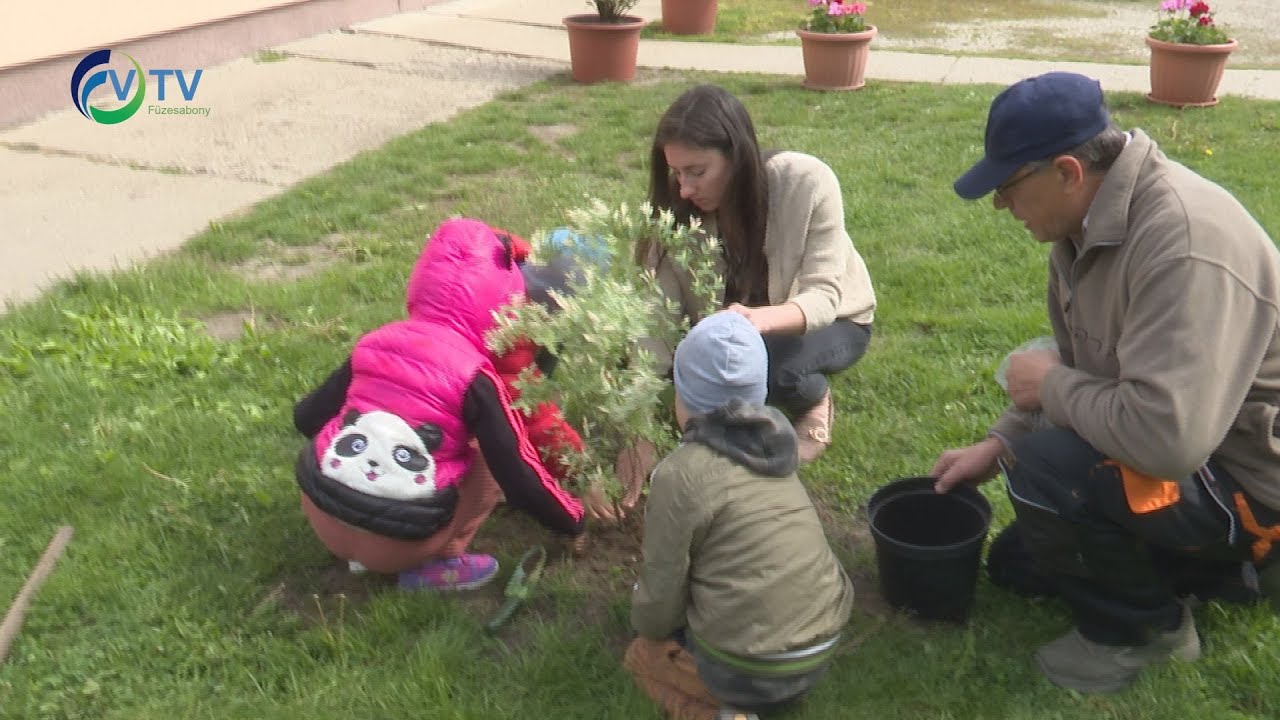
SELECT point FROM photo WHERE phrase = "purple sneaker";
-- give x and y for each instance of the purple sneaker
(460, 573)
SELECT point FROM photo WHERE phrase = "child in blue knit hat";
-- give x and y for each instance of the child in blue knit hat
(740, 601)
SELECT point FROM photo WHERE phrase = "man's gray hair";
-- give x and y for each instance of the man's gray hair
(1099, 152)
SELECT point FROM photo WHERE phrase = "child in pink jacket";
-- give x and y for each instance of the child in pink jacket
(390, 479)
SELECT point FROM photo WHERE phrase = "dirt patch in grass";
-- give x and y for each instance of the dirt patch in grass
(325, 594)
(604, 561)
(230, 325)
(552, 134)
(609, 562)
(606, 569)
(287, 263)
(582, 587)
(593, 578)
(850, 536)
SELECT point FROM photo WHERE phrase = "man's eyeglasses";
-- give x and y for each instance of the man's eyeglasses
(1003, 188)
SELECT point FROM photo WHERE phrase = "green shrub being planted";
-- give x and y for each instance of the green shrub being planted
(606, 381)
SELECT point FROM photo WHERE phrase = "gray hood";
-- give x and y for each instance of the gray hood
(757, 437)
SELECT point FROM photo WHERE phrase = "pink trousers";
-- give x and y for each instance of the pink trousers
(477, 496)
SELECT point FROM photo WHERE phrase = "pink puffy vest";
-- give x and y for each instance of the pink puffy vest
(420, 368)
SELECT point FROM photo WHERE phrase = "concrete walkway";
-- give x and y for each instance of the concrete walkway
(76, 195)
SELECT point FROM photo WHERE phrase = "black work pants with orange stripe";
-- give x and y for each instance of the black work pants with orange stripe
(1119, 547)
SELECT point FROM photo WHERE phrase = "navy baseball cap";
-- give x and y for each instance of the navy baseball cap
(1032, 120)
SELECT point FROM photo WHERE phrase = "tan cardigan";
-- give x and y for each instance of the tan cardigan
(812, 260)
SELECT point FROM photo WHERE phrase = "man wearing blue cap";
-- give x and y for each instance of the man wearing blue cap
(1157, 473)
(740, 601)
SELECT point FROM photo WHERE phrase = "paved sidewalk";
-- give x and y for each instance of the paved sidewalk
(75, 195)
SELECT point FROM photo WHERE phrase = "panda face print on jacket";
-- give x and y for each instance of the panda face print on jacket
(377, 453)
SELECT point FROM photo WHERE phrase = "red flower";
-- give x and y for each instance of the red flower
(1199, 9)
(1205, 20)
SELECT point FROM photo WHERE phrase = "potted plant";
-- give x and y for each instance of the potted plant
(1188, 54)
(603, 44)
(836, 42)
(688, 17)
(608, 387)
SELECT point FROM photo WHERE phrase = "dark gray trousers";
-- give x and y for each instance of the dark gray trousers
(1121, 571)
(799, 364)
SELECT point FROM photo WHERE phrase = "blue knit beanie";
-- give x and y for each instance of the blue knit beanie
(723, 357)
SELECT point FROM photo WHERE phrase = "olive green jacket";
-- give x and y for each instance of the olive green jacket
(733, 548)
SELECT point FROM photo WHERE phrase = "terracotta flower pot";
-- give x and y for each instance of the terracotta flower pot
(1187, 75)
(688, 17)
(602, 50)
(836, 61)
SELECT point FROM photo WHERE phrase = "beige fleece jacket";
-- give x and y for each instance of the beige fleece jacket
(1168, 322)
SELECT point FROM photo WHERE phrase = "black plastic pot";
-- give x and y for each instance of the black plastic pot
(929, 546)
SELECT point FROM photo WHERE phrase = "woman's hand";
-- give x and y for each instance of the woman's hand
(784, 319)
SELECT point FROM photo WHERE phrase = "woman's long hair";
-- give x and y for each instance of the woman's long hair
(709, 117)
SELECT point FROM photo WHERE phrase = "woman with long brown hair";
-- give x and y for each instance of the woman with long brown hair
(789, 266)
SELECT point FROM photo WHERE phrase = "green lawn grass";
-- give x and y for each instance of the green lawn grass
(195, 589)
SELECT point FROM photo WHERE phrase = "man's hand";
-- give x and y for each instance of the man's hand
(1026, 374)
(974, 464)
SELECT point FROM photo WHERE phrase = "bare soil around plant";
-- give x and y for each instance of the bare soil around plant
(599, 573)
